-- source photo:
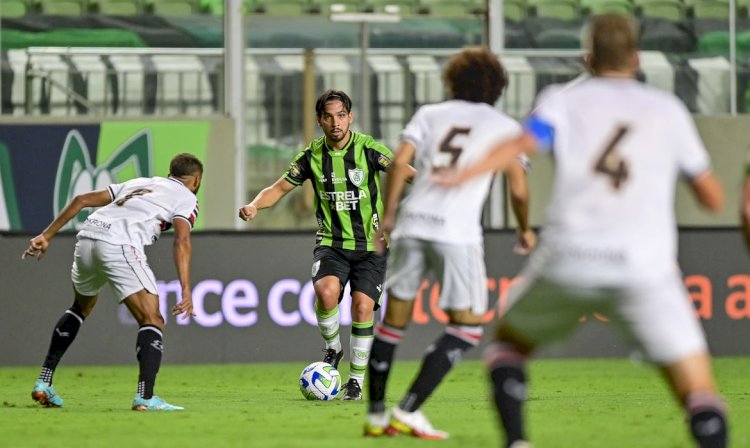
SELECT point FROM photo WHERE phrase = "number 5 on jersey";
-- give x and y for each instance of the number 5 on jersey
(449, 150)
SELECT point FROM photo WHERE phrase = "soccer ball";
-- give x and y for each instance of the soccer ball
(320, 381)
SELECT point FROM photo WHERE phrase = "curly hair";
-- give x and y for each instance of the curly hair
(476, 75)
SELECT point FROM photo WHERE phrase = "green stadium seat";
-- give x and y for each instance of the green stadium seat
(173, 7)
(120, 7)
(743, 8)
(556, 9)
(216, 7)
(279, 7)
(515, 10)
(609, 6)
(710, 9)
(673, 10)
(14, 8)
(62, 7)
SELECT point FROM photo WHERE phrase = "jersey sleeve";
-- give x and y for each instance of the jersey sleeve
(693, 158)
(379, 156)
(187, 209)
(540, 124)
(416, 130)
(299, 168)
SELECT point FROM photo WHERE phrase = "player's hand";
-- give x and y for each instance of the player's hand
(248, 212)
(37, 248)
(185, 306)
(382, 236)
(526, 242)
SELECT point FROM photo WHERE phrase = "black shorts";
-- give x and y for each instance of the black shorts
(365, 271)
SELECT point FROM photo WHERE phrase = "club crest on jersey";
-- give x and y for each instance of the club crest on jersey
(356, 175)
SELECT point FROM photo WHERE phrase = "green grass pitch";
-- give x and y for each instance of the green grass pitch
(572, 403)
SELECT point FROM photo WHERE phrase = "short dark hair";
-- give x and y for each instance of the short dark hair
(476, 75)
(185, 165)
(332, 95)
(611, 41)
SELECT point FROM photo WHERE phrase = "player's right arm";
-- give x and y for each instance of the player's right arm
(268, 197)
(39, 243)
(182, 251)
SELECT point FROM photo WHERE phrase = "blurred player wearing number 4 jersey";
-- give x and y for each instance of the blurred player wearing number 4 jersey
(609, 243)
(439, 232)
(110, 250)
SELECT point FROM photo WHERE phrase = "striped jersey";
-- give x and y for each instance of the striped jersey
(445, 135)
(619, 147)
(347, 189)
(140, 210)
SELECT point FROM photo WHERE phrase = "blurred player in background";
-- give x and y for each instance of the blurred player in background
(439, 231)
(344, 168)
(110, 250)
(745, 205)
(609, 243)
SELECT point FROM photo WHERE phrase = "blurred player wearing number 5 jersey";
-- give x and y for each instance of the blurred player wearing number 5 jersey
(110, 250)
(438, 231)
(609, 243)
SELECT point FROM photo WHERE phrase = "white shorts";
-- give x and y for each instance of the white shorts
(125, 268)
(655, 316)
(459, 268)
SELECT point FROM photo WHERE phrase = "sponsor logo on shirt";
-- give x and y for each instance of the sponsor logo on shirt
(343, 200)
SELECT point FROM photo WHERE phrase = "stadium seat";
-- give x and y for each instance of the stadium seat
(514, 10)
(173, 7)
(608, 6)
(120, 7)
(279, 7)
(14, 8)
(62, 7)
(556, 9)
(710, 9)
(673, 10)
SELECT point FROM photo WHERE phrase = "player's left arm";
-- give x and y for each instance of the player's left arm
(39, 244)
(708, 191)
(182, 251)
(399, 173)
(519, 201)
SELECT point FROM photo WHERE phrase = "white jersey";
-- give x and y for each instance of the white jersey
(140, 209)
(618, 147)
(450, 134)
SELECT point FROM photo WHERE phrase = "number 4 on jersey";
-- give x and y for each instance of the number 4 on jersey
(610, 163)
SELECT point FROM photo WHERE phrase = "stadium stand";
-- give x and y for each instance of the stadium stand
(279, 7)
(608, 6)
(405, 7)
(710, 9)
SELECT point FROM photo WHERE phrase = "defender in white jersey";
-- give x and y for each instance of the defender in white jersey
(110, 250)
(438, 232)
(609, 239)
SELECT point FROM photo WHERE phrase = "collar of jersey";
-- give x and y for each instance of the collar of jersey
(342, 151)
(179, 182)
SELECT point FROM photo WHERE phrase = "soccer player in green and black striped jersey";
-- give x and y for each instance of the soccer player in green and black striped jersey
(344, 168)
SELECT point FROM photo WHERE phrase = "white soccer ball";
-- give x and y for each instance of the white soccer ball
(320, 381)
